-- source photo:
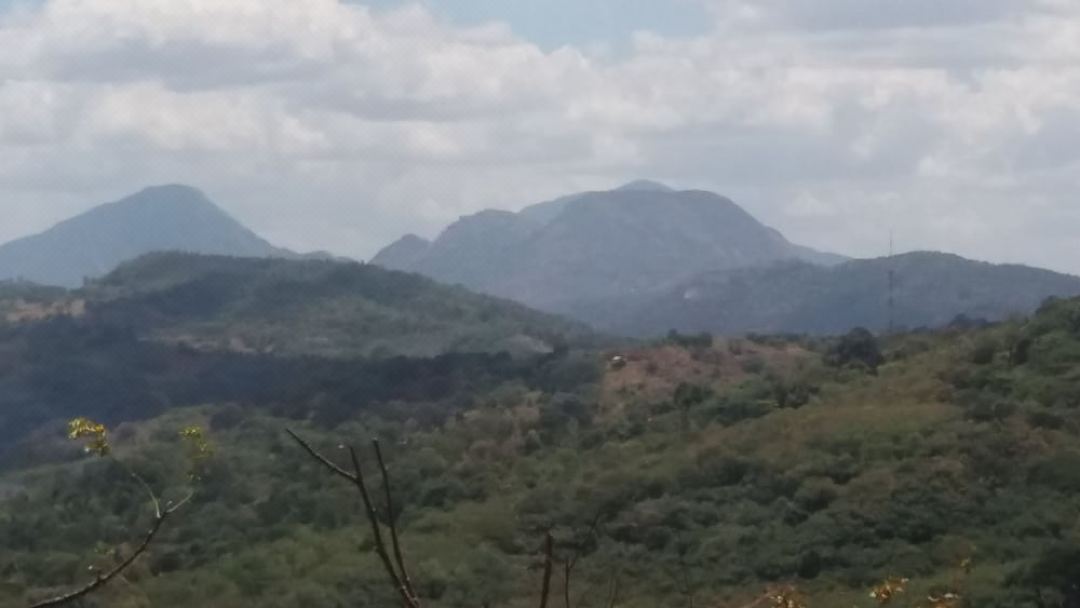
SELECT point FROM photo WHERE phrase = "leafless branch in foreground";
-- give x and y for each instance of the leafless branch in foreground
(613, 595)
(160, 515)
(391, 516)
(549, 559)
(572, 561)
(399, 578)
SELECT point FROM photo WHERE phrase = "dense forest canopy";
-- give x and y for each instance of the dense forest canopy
(696, 469)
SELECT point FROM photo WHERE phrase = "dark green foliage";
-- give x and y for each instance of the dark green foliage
(64, 368)
(315, 307)
(858, 347)
(700, 340)
(1053, 579)
(937, 458)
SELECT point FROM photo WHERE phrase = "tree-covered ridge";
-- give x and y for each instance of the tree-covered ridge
(711, 470)
(926, 289)
(310, 307)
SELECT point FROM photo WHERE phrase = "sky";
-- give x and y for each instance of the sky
(340, 126)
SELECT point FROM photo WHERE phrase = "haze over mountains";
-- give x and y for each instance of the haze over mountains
(557, 255)
(637, 260)
(644, 259)
(162, 218)
(930, 289)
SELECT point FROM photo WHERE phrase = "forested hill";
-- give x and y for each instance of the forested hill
(170, 330)
(929, 290)
(303, 307)
(690, 472)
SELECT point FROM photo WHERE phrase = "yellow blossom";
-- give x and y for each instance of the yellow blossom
(887, 591)
(95, 434)
(198, 448)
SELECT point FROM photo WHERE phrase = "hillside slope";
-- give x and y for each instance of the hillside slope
(313, 307)
(623, 242)
(700, 474)
(175, 329)
(164, 218)
(930, 290)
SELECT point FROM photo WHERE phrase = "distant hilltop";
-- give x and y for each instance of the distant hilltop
(645, 258)
(590, 246)
(162, 218)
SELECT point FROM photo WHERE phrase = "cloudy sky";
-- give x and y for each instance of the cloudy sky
(341, 125)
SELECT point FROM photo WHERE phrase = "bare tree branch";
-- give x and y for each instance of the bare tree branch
(572, 561)
(568, 568)
(357, 479)
(336, 470)
(549, 550)
(392, 520)
(376, 531)
(160, 515)
(613, 595)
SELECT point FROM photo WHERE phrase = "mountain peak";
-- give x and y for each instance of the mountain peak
(644, 185)
(170, 217)
(402, 253)
(173, 190)
(594, 246)
(178, 196)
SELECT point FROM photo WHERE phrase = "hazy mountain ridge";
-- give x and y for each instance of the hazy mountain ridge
(161, 218)
(581, 247)
(930, 289)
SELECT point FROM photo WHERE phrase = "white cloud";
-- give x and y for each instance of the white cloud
(328, 125)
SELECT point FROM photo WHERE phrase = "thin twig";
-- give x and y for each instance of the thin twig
(549, 549)
(149, 491)
(160, 515)
(613, 596)
(380, 545)
(357, 479)
(336, 470)
(568, 567)
(104, 579)
(392, 520)
(571, 562)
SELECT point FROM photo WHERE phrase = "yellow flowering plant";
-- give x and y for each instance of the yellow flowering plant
(198, 450)
(93, 433)
(887, 591)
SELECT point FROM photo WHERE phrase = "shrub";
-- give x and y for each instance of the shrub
(859, 347)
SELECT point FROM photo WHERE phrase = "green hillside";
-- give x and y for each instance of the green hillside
(690, 472)
(310, 307)
(172, 330)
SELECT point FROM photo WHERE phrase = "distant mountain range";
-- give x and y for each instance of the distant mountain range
(929, 290)
(162, 218)
(644, 258)
(637, 260)
(596, 245)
